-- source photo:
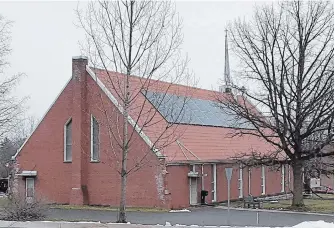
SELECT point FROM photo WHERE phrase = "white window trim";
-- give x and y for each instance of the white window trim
(240, 182)
(263, 179)
(249, 181)
(30, 178)
(92, 160)
(282, 178)
(66, 123)
(190, 191)
(214, 182)
(289, 177)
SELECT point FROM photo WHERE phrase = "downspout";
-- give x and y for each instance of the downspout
(202, 177)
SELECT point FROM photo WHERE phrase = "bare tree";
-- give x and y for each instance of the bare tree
(318, 167)
(287, 55)
(11, 108)
(10, 144)
(7, 150)
(139, 38)
(24, 128)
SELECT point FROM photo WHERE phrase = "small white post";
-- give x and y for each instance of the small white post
(228, 220)
(229, 172)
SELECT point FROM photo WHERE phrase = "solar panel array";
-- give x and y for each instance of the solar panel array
(185, 110)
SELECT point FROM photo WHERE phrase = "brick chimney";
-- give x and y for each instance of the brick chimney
(80, 132)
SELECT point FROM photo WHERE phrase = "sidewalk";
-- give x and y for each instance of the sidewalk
(275, 211)
(50, 224)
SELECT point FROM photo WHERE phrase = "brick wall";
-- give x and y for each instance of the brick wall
(145, 186)
(178, 183)
(44, 151)
(178, 186)
(82, 181)
(273, 180)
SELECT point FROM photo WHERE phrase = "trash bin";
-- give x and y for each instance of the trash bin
(204, 193)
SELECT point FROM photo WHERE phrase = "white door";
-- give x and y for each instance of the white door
(30, 189)
(214, 183)
(193, 191)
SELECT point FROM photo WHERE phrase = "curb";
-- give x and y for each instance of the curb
(109, 225)
(276, 211)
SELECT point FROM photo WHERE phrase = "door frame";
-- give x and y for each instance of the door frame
(196, 192)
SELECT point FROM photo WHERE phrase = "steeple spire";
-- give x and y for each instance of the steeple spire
(227, 78)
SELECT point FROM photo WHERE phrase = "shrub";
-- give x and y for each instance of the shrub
(19, 209)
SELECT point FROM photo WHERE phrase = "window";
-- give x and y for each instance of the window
(240, 182)
(263, 180)
(214, 183)
(30, 187)
(282, 178)
(68, 141)
(95, 144)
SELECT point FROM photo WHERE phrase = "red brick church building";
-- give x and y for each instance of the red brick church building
(68, 157)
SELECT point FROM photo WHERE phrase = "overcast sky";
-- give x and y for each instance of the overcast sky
(44, 39)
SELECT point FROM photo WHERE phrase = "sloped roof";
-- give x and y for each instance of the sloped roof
(195, 111)
(187, 142)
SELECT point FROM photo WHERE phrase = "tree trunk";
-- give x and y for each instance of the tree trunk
(122, 210)
(298, 200)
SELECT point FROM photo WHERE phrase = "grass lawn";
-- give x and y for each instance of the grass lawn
(3, 202)
(104, 208)
(314, 204)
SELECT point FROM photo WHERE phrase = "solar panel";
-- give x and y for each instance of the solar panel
(185, 110)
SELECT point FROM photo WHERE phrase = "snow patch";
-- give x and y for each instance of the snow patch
(167, 224)
(183, 210)
(314, 224)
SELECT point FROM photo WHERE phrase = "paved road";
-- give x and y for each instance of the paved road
(198, 216)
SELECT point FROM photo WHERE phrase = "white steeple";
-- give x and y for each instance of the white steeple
(227, 79)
